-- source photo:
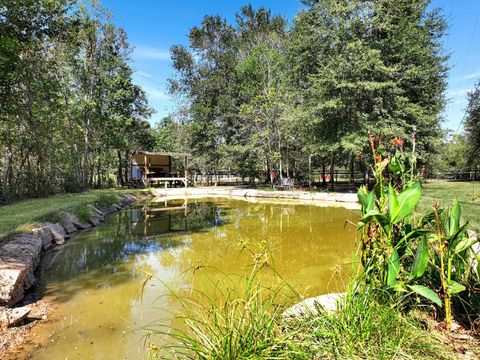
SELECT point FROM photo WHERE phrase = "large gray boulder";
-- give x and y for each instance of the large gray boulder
(111, 209)
(13, 317)
(97, 216)
(127, 199)
(13, 275)
(18, 260)
(45, 234)
(71, 223)
(26, 249)
(117, 206)
(97, 212)
(314, 305)
(66, 222)
(58, 233)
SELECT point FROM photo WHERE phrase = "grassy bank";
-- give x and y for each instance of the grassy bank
(21, 215)
(468, 193)
(248, 323)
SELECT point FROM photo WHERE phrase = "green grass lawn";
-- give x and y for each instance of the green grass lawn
(20, 216)
(446, 192)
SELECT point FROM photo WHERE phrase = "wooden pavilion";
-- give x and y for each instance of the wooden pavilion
(149, 168)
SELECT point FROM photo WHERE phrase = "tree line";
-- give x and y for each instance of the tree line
(254, 96)
(259, 94)
(69, 111)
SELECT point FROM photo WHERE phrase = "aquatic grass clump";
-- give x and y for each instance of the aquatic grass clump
(82, 212)
(240, 320)
(246, 320)
(366, 327)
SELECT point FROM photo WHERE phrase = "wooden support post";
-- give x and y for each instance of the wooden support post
(145, 168)
(186, 171)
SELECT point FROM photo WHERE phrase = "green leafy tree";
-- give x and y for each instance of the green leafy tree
(472, 126)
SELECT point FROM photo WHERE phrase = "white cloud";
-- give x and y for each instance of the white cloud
(143, 74)
(155, 93)
(471, 76)
(144, 52)
(158, 94)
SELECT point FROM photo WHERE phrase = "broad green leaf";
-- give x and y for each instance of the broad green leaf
(371, 201)
(477, 257)
(426, 293)
(457, 237)
(399, 287)
(393, 268)
(367, 218)
(392, 202)
(455, 287)
(464, 244)
(454, 219)
(407, 200)
(362, 195)
(410, 236)
(421, 259)
(372, 215)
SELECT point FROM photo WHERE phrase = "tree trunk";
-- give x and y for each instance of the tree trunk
(352, 170)
(309, 171)
(324, 180)
(332, 172)
(119, 169)
(127, 166)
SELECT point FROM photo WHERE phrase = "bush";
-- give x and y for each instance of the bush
(105, 200)
(71, 184)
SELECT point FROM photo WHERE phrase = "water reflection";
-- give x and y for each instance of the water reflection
(98, 276)
(143, 229)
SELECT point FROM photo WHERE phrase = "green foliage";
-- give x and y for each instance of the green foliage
(82, 212)
(367, 327)
(105, 200)
(68, 107)
(244, 320)
(240, 321)
(431, 257)
(24, 214)
(472, 126)
(454, 155)
(259, 97)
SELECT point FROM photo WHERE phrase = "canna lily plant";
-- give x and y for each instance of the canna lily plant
(403, 257)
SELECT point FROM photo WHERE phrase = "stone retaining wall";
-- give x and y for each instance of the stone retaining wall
(20, 256)
(331, 199)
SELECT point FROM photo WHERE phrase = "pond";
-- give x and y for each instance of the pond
(97, 280)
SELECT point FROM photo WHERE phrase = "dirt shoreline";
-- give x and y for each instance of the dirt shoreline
(14, 339)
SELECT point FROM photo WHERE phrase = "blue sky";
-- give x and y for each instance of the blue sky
(153, 26)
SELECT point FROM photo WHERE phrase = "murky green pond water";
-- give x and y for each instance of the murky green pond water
(97, 278)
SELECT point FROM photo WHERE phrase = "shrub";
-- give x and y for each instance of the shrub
(105, 200)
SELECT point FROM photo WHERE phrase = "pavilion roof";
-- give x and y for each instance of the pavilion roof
(161, 153)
